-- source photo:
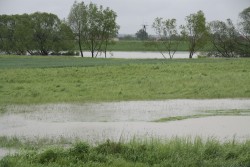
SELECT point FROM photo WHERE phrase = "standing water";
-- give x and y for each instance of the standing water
(140, 55)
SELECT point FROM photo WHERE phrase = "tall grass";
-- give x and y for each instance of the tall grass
(114, 80)
(175, 152)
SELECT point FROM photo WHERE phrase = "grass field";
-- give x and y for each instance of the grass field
(135, 45)
(28, 80)
(175, 152)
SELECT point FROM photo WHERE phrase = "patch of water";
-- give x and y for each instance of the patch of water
(140, 55)
(222, 128)
(4, 152)
(129, 111)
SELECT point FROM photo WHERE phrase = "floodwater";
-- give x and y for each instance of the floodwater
(4, 152)
(124, 121)
(140, 55)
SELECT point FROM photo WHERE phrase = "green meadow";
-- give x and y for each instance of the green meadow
(33, 80)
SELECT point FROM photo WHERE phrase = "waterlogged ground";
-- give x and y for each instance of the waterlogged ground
(127, 120)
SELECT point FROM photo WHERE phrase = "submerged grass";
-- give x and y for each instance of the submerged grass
(34, 144)
(207, 114)
(116, 80)
(175, 152)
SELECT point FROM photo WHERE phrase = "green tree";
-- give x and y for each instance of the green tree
(101, 28)
(7, 30)
(46, 29)
(93, 26)
(64, 38)
(195, 32)
(77, 20)
(244, 31)
(142, 34)
(167, 32)
(38, 33)
(23, 35)
(223, 37)
(110, 28)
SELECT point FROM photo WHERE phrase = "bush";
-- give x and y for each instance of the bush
(48, 156)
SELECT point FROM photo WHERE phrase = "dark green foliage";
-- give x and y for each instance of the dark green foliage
(5, 163)
(48, 156)
(110, 148)
(142, 34)
(80, 150)
(37, 33)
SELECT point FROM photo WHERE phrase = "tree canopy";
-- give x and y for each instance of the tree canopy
(195, 31)
(166, 31)
(37, 33)
(93, 26)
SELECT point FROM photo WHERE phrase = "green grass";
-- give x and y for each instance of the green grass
(11, 61)
(175, 152)
(67, 79)
(146, 46)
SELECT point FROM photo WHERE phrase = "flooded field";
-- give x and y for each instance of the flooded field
(126, 120)
(4, 152)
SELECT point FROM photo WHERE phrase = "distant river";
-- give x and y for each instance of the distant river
(140, 55)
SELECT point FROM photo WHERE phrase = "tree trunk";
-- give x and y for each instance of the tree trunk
(191, 55)
(80, 46)
(92, 48)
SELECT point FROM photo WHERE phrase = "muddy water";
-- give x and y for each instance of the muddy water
(4, 152)
(125, 120)
(130, 111)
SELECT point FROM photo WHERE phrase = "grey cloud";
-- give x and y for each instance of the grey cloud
(133, 13)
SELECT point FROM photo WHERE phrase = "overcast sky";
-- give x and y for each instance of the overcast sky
(133, 13)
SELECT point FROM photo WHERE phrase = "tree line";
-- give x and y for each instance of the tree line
(37, 33)
(92, 27)
(227, 39)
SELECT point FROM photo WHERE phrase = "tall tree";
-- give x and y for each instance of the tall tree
(93, 26)
(166, 31)
(223, 37)
(109, 28)
(244, 31)
(23, 35)
(101, 28)
(46, 28)
(64, 38)
(7, 30)
(195, 32)
(77, 21)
